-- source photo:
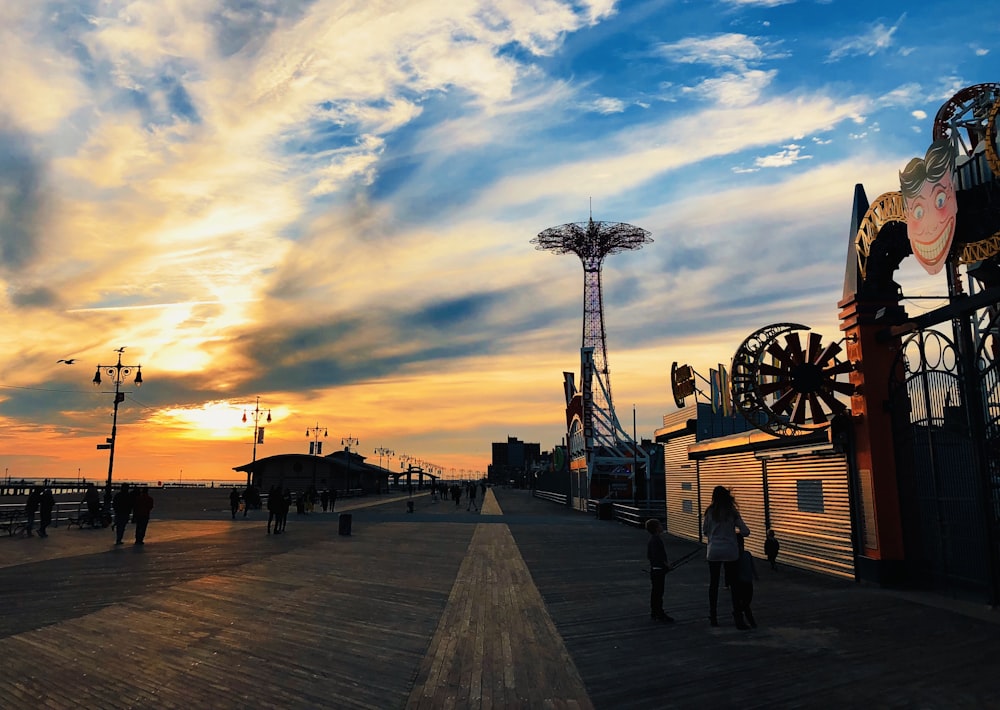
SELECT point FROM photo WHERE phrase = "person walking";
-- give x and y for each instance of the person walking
(472, 497)
(286, 505)
(141, 509)
(744, 583)
(121, 504)
(234, 501)
(333, 498)
(92, 499)
(722, 521)
(46, 503)
(31, 509)
(273, 506)
(771, 547)
(656, 553)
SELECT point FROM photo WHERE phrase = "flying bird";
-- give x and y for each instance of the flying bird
(68, 362)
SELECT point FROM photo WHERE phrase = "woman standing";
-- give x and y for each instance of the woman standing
(722, 523)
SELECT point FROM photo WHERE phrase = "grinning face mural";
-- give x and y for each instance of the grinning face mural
(929, 196)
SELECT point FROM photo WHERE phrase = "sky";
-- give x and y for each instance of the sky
(329, 205)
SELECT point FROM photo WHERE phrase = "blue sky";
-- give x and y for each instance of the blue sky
(330, 205)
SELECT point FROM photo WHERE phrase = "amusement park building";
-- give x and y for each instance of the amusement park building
(876, 454)
(799, 490)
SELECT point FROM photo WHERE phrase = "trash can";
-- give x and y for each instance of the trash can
(345, 523)
(605, 511)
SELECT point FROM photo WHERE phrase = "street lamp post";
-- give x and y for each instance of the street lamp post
(383, 451)
(316, 447)
(347, 442)
(118, 374)
(258, 434)
(388, 453)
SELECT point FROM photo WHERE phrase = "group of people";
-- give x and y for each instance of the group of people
(725, 530)
(128, 504)
(135, 504)
(250, 500)
(40, 502)
(279, 502)
(456, 491)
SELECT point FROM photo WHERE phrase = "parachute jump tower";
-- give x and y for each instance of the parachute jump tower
(600, 437)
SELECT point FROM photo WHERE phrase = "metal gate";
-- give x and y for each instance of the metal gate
(988, 372)
(938, 470)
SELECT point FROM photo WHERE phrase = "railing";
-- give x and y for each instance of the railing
(58, 486)
(638, 515)
(626, 512)
(630, 513)
(62, 513)
(560, 498)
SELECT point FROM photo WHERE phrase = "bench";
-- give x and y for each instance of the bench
(84, 518)
(13, 521)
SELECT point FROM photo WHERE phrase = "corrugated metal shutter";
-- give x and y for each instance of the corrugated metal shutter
(742, 474)
(682, 488)
(810, 512)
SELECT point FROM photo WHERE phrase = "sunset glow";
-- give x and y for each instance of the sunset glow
(329, 205)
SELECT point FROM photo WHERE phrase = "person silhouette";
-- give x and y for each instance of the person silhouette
(771, 547)
(31, 509)
(656, 553)
(234, 501)
(121, 504)
(721, 522)
(46, 503)
(142, 506)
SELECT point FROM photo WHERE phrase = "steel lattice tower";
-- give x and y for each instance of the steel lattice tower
(592, 241)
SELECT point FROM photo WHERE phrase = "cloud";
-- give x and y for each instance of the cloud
(639, 154)
(877, 39)
(330, 204)
(22, 201)
(735, 55)
(903, 95)
(730, 50)
(735, 90)
(607, 105)
(40, 83)
(789, 155)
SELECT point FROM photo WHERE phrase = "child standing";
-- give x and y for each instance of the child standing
(656, 553)
(744, 584)
(771, 547)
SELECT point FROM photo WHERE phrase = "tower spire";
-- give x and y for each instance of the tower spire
(592, 241)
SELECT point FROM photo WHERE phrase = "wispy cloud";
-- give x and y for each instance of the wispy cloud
(606, 105)
(729, 50)
(877, 39)
(329, 204)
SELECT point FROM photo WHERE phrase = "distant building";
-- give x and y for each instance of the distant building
(342, 470)
(513, 461)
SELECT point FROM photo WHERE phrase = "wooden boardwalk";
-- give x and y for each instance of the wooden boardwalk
(526, 605)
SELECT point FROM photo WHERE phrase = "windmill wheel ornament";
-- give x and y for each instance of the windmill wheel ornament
(784, 387)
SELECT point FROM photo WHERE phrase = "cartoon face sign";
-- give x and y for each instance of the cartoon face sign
(931, 205)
